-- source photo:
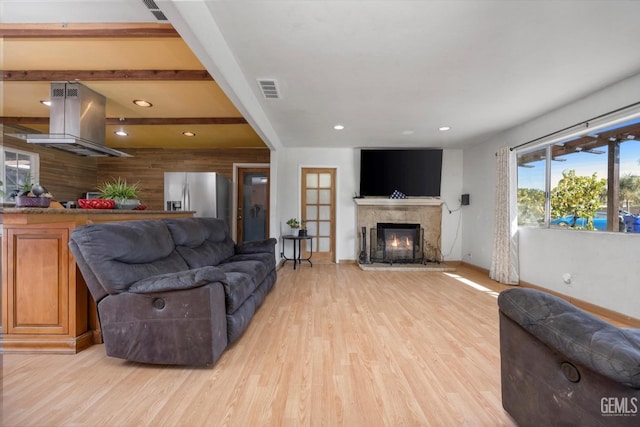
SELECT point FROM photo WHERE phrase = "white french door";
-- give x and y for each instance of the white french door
(319, 212)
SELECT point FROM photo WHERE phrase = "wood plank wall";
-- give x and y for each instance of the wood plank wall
(147, 167)
(67, 176)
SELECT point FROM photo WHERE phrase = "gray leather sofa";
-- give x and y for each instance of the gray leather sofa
(561, 366)
(172, 291)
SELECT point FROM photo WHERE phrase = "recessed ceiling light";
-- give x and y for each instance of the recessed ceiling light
(444, 128)
(46, 102)
(188, 134)
(121, 133)
(408, 132)
(142, 103)
(338, 127)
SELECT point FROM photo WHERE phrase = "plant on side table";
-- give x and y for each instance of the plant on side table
(294, 224)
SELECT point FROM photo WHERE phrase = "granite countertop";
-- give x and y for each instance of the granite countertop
(88, 211)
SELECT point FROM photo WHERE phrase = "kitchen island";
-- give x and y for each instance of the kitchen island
(46, 306)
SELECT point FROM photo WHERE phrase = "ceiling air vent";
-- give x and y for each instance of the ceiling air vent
(159, 15)
(150, 4)
(269, 88)
(153, 7)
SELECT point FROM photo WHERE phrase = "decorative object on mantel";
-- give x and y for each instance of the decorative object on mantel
(397, 195)
(294, 224)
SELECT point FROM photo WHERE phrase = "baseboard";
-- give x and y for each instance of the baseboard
(584, 305)
(474, 267)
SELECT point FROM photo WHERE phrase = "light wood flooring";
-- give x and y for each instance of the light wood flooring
(331, 346)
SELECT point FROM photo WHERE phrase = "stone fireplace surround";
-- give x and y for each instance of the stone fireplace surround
(424, 211)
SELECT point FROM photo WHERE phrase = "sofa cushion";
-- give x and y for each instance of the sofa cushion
(238, 321)
(256, 246)
(121, 253)
(257, 270)
(177, 281)
(606, 349)
(237, 288)
(268, 259)
(201, 241)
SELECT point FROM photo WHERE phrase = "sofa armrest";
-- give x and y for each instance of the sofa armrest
(256, 246)
(604, 348)
(178, 281)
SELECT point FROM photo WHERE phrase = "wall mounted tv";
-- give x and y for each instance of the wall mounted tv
(414, 172)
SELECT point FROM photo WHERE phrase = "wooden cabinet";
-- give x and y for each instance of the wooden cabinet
(43, 308)
(46, 306)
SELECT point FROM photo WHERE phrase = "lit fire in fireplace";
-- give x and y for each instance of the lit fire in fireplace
(396, 243)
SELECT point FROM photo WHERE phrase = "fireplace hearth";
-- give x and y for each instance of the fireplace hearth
(397, 243)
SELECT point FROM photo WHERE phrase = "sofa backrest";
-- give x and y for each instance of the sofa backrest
(121, 253)
(201, 241)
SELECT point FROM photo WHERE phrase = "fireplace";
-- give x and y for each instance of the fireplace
(424, 211)
(397, 242)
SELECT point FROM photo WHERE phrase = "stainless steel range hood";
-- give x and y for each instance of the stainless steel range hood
(76, 122)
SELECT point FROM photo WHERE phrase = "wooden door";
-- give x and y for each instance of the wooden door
(252, 219)
(319, 212)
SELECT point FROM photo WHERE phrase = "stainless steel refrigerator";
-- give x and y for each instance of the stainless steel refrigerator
(206, 193)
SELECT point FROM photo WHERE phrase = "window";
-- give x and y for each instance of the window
(588, 180)
(20, 167)
(532, 168)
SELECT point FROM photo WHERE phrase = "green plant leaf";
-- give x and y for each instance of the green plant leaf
(119, 190)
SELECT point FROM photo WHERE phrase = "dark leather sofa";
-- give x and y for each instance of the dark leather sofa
(172, 291)
(561, 366)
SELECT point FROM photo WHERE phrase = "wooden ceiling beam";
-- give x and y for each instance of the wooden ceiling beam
(24, 120)
(584, 143)
(137, 121)
(87, 30)
(102, 75)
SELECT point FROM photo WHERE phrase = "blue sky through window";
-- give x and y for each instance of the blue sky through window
(584, 163)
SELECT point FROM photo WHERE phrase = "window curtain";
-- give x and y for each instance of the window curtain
(504, 264)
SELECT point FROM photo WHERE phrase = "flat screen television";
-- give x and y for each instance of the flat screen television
(413, 172)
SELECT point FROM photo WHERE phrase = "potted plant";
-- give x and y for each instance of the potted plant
(294, 224)
(123, 194)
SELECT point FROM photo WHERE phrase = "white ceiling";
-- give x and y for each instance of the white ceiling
(392, 72)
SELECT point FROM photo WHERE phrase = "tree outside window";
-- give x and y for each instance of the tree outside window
(592, 182)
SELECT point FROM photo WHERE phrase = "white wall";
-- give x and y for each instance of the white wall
(604, 266)
(290, 161)
(451, 190)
